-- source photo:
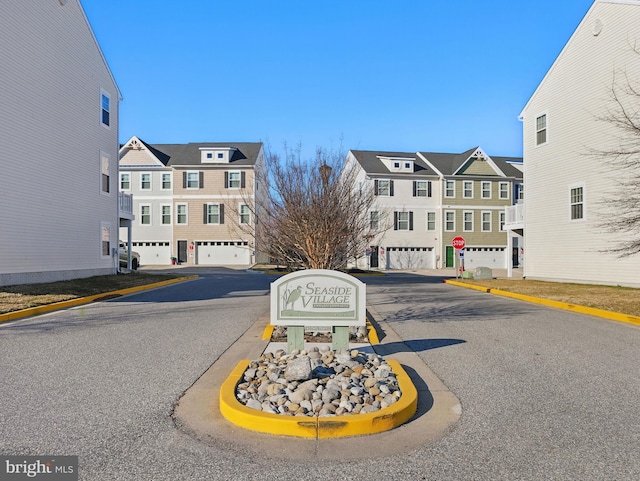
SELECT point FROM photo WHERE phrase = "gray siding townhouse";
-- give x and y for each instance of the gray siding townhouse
(59, 204)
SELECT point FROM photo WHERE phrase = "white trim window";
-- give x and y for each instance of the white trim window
(383, 187)
(145, 214)
(125, 181)
(541, 129)
(467, 221)
(431, 221)
(235, 179)
(374, 220)
(192, 180)
(245, 214)
(503, 188)
(503, 217)
(486, 189)
(213, 214)
(576, 199)
(422, 188)
(145, 181)
(403, 220)
(166, 180)
(450, 221)
(105, 239)
(105, 109)
(450, 189)
(486, 221)
(181, 214)
(165, 214)
(467, 189)
(105, 173)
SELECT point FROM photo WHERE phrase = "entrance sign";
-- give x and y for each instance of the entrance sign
(458, 242)
(318, 297)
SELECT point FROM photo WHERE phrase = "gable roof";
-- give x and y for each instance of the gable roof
(371, 163)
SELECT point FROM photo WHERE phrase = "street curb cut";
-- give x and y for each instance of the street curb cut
(56, 306)
(318, 427)
(611, 315)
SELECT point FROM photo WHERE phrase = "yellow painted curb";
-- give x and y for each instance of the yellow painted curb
(592, 311)
(268, 332)
(34, 311)
(318, 427)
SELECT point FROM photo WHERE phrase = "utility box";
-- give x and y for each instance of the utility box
(483, 273)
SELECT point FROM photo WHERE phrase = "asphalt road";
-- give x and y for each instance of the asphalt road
(545, 394)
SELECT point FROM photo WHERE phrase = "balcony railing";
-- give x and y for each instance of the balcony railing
(514, 216)
(125, 202)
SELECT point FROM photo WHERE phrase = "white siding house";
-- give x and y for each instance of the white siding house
(59, 209)
(562, 124)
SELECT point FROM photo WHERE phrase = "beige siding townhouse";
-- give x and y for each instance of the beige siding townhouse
(59, 201)
(194, 203)
(562, 126)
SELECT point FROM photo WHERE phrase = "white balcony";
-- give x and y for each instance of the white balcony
(514, 217)
(125, 205)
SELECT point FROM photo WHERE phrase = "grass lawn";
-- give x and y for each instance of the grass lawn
(625, 300)
(15, 298)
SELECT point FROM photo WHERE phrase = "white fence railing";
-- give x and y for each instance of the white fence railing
(514, 214)
(125, 202)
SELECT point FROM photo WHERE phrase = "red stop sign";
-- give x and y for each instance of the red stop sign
(458, 242)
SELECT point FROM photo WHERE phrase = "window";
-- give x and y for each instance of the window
(486, 222)
(193, 180)
(145, 214)
(105, 104)
(234, 180)
(421, 188)
(486, 190)
(212, 214)
(577, 203)
(145, 181)
(407, 165)
(166, 181)
(220, 155)
(502, 220)
(467, 189)
(166, 214)
(105, 178)
(431, 221)
(396, 165)
(504, 190)
(450, 188)
(125, 181)
(519, 193)
(403, 220)
(374, 220)
(105, 239)
(209, 155)
(181, 214)
(245, 214)
(541, 129)
(450, 221)
(383, 187)
(467, 217)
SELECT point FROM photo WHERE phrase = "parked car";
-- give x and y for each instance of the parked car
(123, 256)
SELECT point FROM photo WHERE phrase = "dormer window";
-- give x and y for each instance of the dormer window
(209, 155)
(407, 165)
(396, 165)
(216, 155)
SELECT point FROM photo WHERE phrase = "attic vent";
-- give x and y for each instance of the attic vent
(134, 144)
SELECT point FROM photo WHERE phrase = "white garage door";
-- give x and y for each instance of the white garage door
(153, 253)
(492, 257)
(220, 253)
(410, 258)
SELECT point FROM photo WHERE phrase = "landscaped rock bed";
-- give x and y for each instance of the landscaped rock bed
(319, 382)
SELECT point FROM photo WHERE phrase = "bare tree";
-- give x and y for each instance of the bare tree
(619, 211)
(312, 214)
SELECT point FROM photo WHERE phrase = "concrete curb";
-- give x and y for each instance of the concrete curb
(610, 315)
(56, 306)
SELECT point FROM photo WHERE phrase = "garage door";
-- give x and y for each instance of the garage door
(153, 253)
(410, 258)
(220, 253)
(492, 257)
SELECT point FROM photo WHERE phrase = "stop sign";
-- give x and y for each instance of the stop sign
(458, 242)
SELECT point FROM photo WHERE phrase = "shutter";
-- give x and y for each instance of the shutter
(410, 220)
(206, 216)
(391, 188)
(375, 187)
(395, 221)
(201, 180)
(226, 180)
(184, 180)
(222, 213)
(243, 179)
(415, 188)
(429, 189)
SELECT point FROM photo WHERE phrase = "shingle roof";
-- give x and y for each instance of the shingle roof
(190, 154)
(371, 163)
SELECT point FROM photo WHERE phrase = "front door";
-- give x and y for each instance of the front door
(182, 251)
(373, 260)
(449, 259)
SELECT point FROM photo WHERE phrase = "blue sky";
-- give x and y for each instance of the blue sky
(370, 75)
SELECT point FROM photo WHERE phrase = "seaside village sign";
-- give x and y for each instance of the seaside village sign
(320, 300)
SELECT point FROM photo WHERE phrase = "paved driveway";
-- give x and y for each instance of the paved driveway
(546, 394)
